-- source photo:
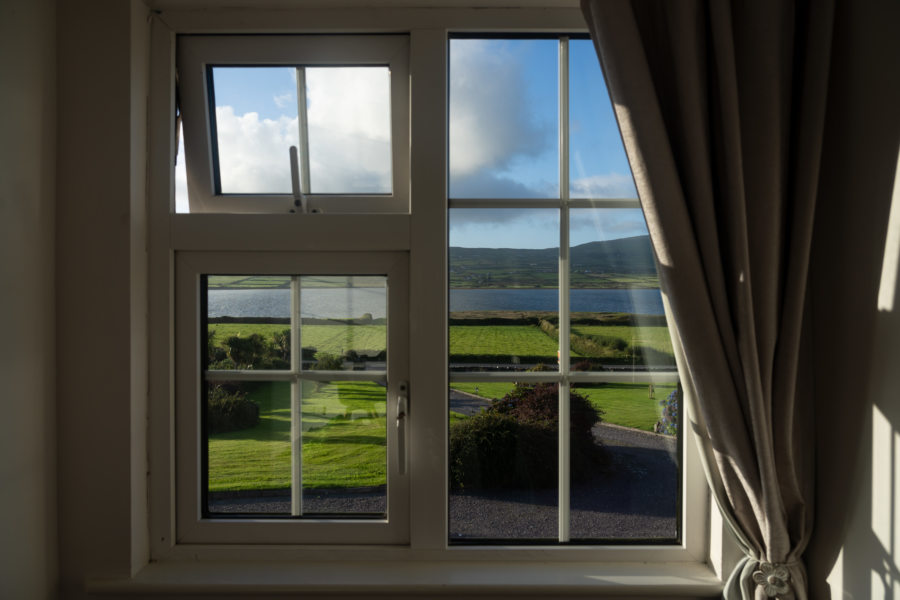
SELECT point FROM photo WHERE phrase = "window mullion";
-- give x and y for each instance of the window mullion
(564, 408)
(303, 120)
(296, 402)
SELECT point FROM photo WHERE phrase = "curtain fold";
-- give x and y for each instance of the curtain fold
(721, 105)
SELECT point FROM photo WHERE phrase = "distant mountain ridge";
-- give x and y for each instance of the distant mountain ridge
(511, 267)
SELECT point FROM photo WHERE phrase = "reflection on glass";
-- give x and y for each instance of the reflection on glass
(634, 494)
(248, 428)
(349, 114)
(344, 324)
(344, 449)
(248, 322)
(504, 296)
(504, 125)
(503, 461)
(598, 167)
(255, 125)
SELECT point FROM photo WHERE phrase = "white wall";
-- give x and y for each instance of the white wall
(28, 558)
(101, 290)
(855, 551)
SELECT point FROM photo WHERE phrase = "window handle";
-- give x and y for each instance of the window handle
(402, 410)
(299, 196)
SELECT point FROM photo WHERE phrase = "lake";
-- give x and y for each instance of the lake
(345, 303)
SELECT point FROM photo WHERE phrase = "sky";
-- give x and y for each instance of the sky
(503, 137)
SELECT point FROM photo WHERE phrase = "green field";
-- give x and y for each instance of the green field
(656, 337)
(502, 340)
(625, 404)
(333, 339)
(343, 440)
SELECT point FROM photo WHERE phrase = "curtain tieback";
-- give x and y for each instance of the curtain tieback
(774, 578)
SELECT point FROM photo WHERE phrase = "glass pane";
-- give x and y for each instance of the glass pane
(598, 167)
(248, 322)
(504, 123)
(503, 462)
(349, 130)
(256, 124)
(634, 494)
(344, 450)
(617, 316)
(344, 322)
(504, 296)
(249, 447)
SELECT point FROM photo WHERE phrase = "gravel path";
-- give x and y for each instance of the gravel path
(636, 497)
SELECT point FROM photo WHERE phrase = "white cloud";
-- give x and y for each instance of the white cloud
(490, 124)
(349, 137)
(253, 153)
(282, 100)
(611, 185)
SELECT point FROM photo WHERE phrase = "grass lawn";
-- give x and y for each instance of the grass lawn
(502, 340)
(343, 440)
(625, 404)
(334, 339)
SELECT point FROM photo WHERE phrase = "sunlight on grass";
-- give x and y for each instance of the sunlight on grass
(343, 439)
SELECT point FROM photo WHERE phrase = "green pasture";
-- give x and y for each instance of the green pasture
(625, 404)
(502, 340)
(343, 439)
(656, 337)
(333, 339)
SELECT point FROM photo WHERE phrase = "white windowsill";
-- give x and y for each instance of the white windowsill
(458, 579)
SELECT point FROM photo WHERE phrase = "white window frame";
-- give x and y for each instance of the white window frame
(563, 376)
(427, 562)
(197, 53)
(192, 526)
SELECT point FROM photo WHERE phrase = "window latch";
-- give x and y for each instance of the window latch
(299, 196)
(402, 410)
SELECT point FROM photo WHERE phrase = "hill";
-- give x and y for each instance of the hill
(624, 262)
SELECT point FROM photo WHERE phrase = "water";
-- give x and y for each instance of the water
(345, 303)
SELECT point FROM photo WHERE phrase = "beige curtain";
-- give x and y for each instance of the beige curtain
(721, 105)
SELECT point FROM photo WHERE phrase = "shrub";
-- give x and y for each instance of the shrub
(668, 422)
(247, 352)
(514, 442)
(229, 409)
(328, 362)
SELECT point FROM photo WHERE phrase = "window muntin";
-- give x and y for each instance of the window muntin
(605, 346)
(343, 101)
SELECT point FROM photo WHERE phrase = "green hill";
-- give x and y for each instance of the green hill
(625, 262)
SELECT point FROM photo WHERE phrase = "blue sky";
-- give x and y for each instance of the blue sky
(503, 138)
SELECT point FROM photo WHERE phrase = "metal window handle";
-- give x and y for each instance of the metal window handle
(402, 409)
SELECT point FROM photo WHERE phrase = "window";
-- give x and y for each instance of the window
(547, 243)
(341, 102)
(400, 228)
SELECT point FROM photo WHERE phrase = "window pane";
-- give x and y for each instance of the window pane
(344, 451)
(256, 124)
(598, 167)
(504, 123)
(635, 495)
(348, 114)
(249, 447)
(248, 322)
(617, 320)
(504, 296)
(349, 130)
(503, 462)
(344, 322)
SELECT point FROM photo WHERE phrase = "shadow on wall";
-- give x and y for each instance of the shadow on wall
(855, 549)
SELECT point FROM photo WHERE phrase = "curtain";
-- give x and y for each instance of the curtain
(721, 105)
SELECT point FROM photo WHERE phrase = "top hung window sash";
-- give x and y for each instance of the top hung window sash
(374, 177)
